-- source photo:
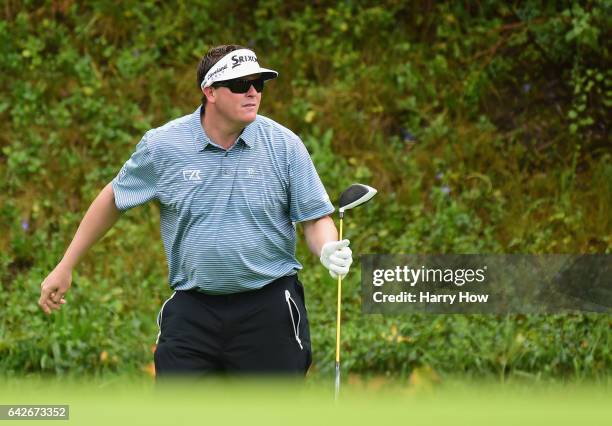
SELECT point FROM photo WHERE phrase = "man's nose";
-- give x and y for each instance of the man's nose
(251, 91)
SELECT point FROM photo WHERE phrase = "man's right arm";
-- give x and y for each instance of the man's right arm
(100, 217)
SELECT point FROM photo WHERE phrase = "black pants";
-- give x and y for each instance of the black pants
(261, 331)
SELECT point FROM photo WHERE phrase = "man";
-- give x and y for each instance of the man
(231, 185)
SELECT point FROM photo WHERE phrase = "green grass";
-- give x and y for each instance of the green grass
(123, 401)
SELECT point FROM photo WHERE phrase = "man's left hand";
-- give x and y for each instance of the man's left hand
(337, 257)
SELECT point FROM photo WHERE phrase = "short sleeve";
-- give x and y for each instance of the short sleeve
(136, 182)
(308, 199)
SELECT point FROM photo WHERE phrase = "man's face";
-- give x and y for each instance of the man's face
(240, 108)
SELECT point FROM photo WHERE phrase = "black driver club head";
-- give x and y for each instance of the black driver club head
(354, 196)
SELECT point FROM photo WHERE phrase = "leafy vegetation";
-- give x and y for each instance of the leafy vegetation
(485, 128)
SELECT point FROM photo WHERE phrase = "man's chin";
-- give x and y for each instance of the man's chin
(249, 118)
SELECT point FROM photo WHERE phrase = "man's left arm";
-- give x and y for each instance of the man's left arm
(322, 239)
(318, 232)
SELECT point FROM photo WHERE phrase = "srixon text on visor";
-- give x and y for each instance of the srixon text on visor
(412, 276)
(237, 60)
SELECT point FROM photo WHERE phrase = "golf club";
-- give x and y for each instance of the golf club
(355, 195)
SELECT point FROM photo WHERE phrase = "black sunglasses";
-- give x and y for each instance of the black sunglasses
(241, 86)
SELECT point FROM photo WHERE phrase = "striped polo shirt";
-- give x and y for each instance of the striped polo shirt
(227, 216)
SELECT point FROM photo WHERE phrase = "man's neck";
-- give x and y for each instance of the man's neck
(219, 131)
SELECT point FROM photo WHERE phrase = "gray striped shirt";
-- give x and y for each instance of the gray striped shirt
(227, 217)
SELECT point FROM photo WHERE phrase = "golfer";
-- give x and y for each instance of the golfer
(231, 186)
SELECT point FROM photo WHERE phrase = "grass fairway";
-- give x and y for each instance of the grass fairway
(132, 402)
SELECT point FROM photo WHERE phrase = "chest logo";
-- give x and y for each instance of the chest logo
(192, 175)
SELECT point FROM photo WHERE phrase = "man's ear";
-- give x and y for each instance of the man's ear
(209, 92)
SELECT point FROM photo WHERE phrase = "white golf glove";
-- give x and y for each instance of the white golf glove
(337, 257)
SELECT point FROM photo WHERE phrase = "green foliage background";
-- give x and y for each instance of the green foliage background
(484, 125)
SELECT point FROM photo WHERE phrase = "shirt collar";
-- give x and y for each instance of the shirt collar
(249, 133)
(202, 140)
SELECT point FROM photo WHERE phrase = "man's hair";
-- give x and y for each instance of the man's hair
(211, 58)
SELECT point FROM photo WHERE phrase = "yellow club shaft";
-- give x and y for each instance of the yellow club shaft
(338, 307)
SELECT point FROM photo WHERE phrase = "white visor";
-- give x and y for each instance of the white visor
(237, 63)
